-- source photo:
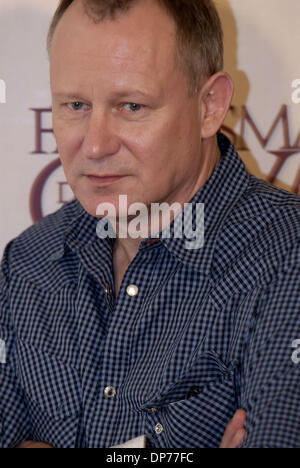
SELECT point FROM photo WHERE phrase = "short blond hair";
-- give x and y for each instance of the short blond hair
(199, 32)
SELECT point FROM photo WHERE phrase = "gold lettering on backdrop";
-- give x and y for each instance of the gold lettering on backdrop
(61, 193)
(283, 153)
(39, 130)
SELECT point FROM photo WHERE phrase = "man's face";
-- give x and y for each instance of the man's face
(120, 107)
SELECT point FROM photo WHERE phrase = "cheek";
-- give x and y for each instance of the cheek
(163, 152)
(156, 164)
(173, 157)
(151, 146)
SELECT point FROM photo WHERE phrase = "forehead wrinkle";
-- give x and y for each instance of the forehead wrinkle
(89, 63)
(127, 53)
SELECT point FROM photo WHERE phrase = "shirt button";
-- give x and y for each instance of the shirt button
(132, 290)
(152, 410)
(108, 290)
(110, 392)
(193, 391)
(159, 429)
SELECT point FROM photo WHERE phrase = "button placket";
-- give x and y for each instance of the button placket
(109, 297)
(112, 369)
(155, 418)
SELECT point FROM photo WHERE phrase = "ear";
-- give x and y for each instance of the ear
(215, 99)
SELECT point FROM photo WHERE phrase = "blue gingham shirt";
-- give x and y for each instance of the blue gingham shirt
(210, 330)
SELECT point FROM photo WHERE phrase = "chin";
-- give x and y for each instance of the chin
(91, 202)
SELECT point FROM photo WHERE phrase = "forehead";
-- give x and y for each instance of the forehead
(138, 45)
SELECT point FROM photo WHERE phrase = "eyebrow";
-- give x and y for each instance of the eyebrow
(115, 94)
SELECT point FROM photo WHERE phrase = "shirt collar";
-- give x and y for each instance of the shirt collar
(79, 229)
(219, 195)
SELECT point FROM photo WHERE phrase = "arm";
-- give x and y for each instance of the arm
(14, 419)
(233, 437)
(270, 378)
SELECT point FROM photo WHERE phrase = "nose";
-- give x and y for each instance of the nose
(100, 138)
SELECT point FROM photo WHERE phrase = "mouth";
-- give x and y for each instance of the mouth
(104, 180)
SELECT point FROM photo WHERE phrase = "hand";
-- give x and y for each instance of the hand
(31, 444)
(235, 432)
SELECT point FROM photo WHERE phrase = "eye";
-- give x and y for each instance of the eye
(76, 106)
(133, 107)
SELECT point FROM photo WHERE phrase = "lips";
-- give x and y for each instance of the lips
(106, 176)
(104, 180)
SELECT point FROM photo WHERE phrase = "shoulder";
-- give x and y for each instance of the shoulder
(261, 232)
(265, 206)
(273, 208)
(271, 195)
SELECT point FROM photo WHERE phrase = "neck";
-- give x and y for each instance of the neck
(127, 248)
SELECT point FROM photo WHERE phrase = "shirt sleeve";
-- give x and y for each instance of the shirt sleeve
(14, 419)
(270, 373)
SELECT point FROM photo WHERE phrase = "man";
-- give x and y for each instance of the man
(109, 339)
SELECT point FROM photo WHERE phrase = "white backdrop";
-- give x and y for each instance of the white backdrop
(262, 53)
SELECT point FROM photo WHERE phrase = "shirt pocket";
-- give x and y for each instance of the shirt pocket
(53, 392)
(194, 411)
